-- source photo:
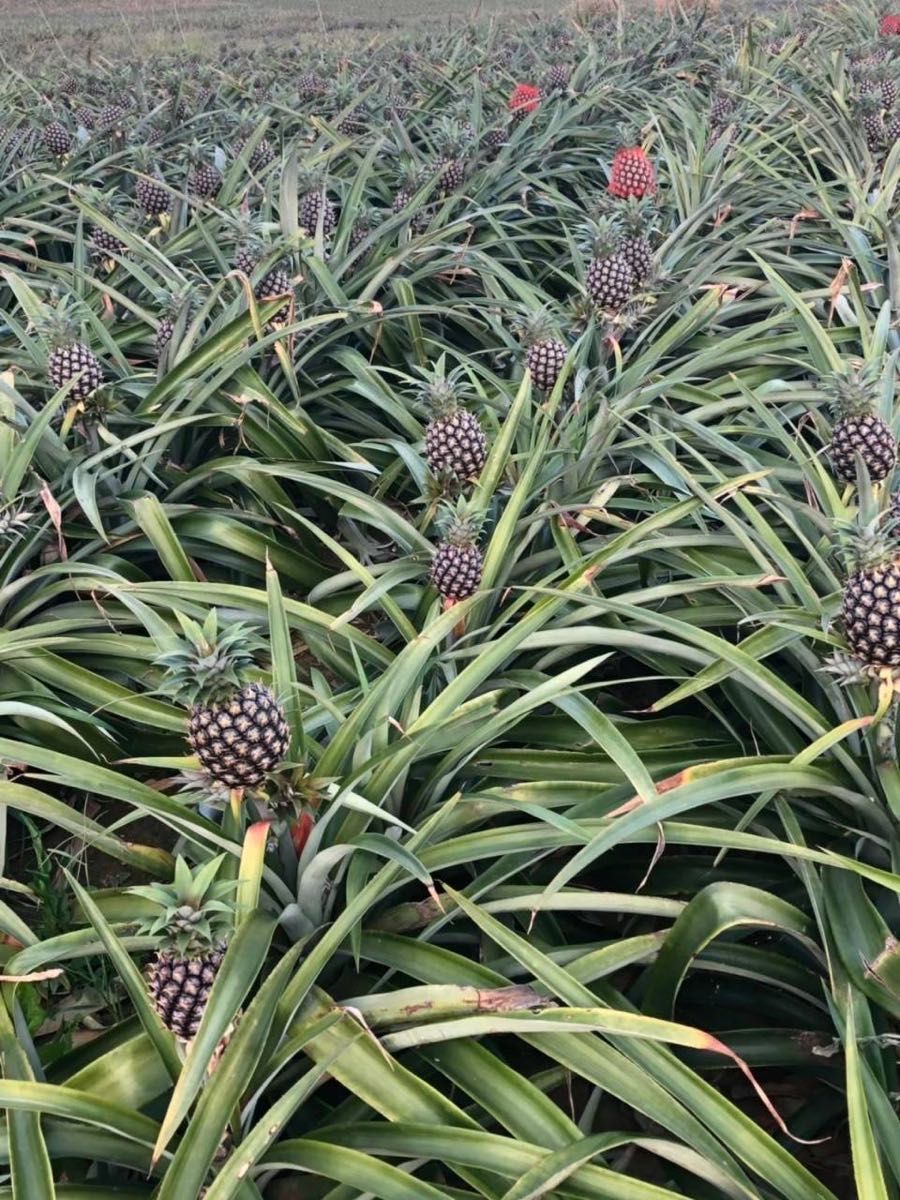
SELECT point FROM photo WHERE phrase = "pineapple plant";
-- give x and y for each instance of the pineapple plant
(857, 430)
(632, 173)
(70, 358)
(192, 928)
(609, 278)
(457, 564)
(236, 728)
(455, 443)
(545, 353)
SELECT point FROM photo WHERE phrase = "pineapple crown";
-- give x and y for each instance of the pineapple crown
(173, 300)
(601, 237)
(853, 392)
(453, 136)
(459, 524)
(62, 326)
(442, 392)
(14, 519)
(194, 914)
(310, 179)
(207, 665)
(870, 538)
(534, 327)
(638, 215)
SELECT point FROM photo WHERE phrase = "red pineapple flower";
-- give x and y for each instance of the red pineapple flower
(524, 99)
(889, 25)
(632, 174)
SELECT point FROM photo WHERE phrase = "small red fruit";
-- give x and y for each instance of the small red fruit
(300, 831)
(632, 174)
(524, 99)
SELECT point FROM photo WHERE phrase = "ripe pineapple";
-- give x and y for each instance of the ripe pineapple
(458, 563)
(237, 729)
(857, 430)
(57, 139)
(70, 357)
(545, 354)
(192, 928)
(455, 443)
(632, 173)
(609, 278)
(524, 99)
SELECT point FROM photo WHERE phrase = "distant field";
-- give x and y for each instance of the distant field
(114, 26)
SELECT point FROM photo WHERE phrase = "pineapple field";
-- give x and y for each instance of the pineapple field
(450, 607)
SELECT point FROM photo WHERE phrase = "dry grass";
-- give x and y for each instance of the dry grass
(86, 28)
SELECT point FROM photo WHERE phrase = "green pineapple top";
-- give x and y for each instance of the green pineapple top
(62, 325)
(194, 914)
(870, 538)
(442, 392)
(459, 524)
(602, 237)
(853, 393)
(206, 665)
(534, 327)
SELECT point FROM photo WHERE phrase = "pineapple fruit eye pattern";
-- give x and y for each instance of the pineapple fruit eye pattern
(450, 601)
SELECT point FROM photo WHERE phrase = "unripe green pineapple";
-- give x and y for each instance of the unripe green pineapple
(192, 926)
(545, 353)
(458, 562)
(857, 430)
(870, 607)
(455, 443)
(70, 358)
(609, 278)
(237, 729)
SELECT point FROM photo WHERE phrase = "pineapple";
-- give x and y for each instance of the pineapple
(172, 304)
(524, 99)
(636, 247)
(545, 354)
(150, 191)
(275, 283)
(632, 173)
(111, 119)
(609, 278)
(57, 139)
(495, 139)
(556, 79)
(857, 430)
(872, 123)
(870, 606)
(455, 443)
(205, 178)
(458, 562)
(454, 142)
(411, 181)
(70, 358)
(237, 729)
(192, 926)
(310, 84)
(315, 206)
